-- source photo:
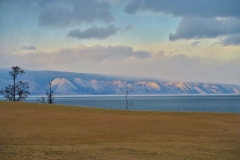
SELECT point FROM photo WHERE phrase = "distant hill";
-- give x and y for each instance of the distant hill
(69, 83)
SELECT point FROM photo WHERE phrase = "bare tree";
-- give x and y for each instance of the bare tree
(19, 90)
(128, 102)
(22, 90)
(41, 99)
(49, 93)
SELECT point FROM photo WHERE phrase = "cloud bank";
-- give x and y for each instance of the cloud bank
(187, 8)
(124, 60)
(200, 19)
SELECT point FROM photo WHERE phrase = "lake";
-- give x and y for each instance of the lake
(173, 103)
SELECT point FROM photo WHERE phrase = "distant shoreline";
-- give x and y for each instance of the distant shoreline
(161, 103)
(122, 95)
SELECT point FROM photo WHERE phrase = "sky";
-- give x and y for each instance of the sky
(175, 40)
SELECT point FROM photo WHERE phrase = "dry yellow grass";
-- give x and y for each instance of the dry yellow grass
(37, 131)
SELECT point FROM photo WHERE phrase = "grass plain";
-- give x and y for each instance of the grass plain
(41, 131)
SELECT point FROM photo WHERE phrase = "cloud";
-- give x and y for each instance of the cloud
(186, 8)
(200, 19)
(73, 57)
(233, 39)
(93, 32)
(76, 55)
(195, 43)
(63, 13)
(28, 48)
(101, 53)
(196, 28)
(128, 27)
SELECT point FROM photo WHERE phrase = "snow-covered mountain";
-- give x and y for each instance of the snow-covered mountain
(68, 83)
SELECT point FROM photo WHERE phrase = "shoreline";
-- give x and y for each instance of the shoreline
(140, 95)
(116, 109)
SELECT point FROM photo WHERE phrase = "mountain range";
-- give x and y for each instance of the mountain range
(69, 83)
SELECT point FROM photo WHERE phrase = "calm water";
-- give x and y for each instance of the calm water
(202, 103)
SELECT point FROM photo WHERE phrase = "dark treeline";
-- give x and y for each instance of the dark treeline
(19, 90)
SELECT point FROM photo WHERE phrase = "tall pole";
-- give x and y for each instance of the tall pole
(14, 87)
(126, 100)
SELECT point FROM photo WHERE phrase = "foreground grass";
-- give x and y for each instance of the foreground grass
(37, 131)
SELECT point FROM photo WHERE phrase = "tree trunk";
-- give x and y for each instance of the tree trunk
(14, 89)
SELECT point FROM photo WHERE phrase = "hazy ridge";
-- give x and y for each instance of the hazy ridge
(69, 83)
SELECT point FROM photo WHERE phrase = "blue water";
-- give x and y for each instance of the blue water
(192, 103)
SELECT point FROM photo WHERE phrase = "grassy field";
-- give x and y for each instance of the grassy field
(38, 131)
